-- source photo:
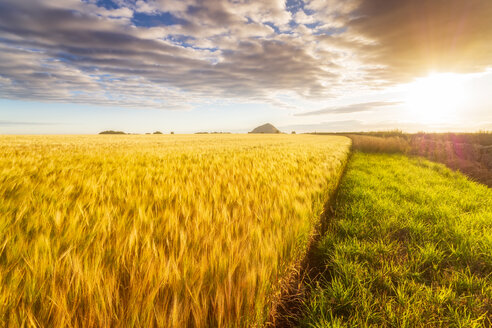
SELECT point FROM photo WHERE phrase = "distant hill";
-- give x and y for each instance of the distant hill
(112, 132)
(266, 128)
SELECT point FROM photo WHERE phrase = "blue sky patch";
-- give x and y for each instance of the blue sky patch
(153, 20)
(108, 4)
(294, 5)
(275, 28)
(313, 25)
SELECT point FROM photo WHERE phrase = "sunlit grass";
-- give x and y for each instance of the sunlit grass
(156, 230)
(410, 245)
(470, 153)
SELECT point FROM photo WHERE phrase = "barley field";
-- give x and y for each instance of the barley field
(156, 231)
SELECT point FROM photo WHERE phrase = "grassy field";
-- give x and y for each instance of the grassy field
(470, 153)
(410, 245)
(178, 231)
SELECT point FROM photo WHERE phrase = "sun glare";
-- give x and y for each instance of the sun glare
(436, 98)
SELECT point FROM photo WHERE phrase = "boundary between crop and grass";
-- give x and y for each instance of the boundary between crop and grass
(288, 308)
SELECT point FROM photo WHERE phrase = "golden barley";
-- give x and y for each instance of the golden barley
(156, 230)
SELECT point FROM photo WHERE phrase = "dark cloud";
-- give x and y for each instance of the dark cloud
(77, 51)
(353, 108)
(58, 53)
(414, 37)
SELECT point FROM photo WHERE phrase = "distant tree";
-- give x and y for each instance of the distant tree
(157, 132)
(293, 132)
(172, 132)
(112, 132)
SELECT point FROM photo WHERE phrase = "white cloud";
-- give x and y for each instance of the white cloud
(74, 51)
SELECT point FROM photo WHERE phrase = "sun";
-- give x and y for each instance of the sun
(436, 98)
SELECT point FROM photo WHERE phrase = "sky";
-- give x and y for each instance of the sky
(83, 66)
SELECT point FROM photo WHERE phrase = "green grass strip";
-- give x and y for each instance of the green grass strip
(410, 245)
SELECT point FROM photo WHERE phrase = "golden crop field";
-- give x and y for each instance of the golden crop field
(168, 231)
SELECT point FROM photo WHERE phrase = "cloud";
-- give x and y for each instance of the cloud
(353, 108)
(414, 37)
(193, 51)
(56, 53)
(14, 123)
(364, 126)
(333, 126)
